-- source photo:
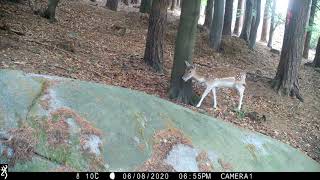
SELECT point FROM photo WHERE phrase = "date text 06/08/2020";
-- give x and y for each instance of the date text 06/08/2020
(186, 175)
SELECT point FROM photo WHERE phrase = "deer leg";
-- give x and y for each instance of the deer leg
(205, 93)
(240, 91)
(214, 98)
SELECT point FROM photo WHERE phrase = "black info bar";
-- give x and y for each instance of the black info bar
(157, 175)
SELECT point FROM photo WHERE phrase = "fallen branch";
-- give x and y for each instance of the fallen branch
(18, 32)
(56, 66)
(5, 27)
(254, 76)
(98, 74)
(40, 43)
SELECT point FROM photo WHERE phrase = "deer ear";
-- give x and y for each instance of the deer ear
(187, 63)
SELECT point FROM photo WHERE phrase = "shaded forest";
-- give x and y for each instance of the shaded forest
(144, 45)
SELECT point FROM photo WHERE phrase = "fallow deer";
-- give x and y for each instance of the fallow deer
(221, 77)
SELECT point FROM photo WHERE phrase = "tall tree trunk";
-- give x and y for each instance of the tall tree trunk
(254, 28)
(272, 25)
(173, 5)
(253, 20)
(50, 12)
(265, 24)
(169, 3)
(309, 33)
(286, 79)
(145, 6)
(316, 61)
(112, 4)
(217, 25)
(228, 18)
(208, 14)
(126, 2)
(134, 2)
(236, 29)
(185, 42)
(245, 32)
(153, 54)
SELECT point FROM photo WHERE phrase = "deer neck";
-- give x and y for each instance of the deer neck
(199, 78)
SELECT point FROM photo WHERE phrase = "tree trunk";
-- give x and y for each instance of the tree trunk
(185, 42)
(286, 79)
(253, 20)
(254, 27)
(134, 1)
(309, 33)
(208, 14)
(153, 54)
(173, 5)
(272, 25)
(217, 25)
(178, 3)
(236, 29)
(112, 4)
(316, 61)
(228, 18)
(245, 32)
(50, 12)
(145, 6)
(126, 2)
(265, 24)
(169, 4)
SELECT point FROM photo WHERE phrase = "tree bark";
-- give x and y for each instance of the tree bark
(245, 32)
(236, 29)
(185, 42)
(254, 27)
(173, 5)
(145, 6)
(50, 12)
(228, 18)
(253, 20)
(208, 14)
(112, 4)
(316, 61)
(286, 79)
(126, 2)
(272, 25)
(265, 24)
(153, 55)
(134, 1)
(309, 33)
(217, 25)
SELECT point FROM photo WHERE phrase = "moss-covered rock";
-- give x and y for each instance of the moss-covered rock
(83, 126)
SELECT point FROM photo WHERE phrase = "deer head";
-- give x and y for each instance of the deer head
(189, 72)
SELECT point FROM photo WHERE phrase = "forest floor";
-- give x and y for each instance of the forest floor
(92, 43)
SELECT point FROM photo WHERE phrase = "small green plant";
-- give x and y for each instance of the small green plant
(240, 114)
(195, 99)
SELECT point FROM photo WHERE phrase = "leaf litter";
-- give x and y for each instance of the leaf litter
(89, 42)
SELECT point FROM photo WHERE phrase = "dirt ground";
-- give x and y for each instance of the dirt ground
(92, 43)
